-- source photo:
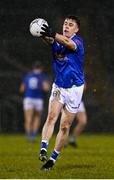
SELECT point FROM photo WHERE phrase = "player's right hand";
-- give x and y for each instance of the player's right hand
(47, 31)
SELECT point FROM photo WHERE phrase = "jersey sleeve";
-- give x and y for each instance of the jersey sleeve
(56, 46)
(78, 44)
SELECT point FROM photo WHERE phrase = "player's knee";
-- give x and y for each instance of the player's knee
(64, 129)
(51, 117)
(65, 126)
(83, 121)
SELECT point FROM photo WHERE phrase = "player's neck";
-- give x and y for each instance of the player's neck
(37, 71)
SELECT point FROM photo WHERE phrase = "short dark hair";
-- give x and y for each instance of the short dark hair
(75, 18)
(37, 64)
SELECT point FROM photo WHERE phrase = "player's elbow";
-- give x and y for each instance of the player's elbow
(71, 45)
(22, 89)
(46, 86)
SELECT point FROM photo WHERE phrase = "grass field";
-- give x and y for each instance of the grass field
(94, 158)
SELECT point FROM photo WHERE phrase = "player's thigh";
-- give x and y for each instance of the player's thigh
(82, 117)
(37, 115)
(28, 107)
(28, 115)
(54, 108)
(66, 118)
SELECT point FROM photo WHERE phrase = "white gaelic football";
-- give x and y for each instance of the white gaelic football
(35, 26)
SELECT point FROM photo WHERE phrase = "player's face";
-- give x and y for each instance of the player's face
(70, 28)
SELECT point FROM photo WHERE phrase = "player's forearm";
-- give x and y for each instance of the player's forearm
(48, 40)
(65, 41)
(22, 88)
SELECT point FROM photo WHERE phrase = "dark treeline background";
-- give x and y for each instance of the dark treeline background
(18, 50)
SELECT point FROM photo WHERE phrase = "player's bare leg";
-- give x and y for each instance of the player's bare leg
(66, 121)
(35, 125)
(53, 113)
(28, 114)
(82, 121)
(81, 124)
(36, 120)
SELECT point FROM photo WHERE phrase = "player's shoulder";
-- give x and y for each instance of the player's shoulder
(29, 74)
(77, 39)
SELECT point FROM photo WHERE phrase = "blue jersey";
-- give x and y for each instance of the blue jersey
(34, 85)
(68, 64)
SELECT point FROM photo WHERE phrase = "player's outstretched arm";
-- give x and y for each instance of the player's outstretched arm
(48, 40)
(48, 33)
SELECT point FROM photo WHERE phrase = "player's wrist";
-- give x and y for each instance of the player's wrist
(53, 34)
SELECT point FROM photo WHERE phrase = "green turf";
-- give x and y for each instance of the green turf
(94, 158)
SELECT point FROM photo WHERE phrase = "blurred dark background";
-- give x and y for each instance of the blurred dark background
(18, 50)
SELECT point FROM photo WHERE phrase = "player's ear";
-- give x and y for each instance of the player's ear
(77, 29)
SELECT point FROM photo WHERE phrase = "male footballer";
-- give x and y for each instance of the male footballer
(67, 89)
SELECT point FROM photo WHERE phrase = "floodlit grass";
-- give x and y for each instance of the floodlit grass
(94, 158)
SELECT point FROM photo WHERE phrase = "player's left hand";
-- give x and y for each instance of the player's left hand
(47, 31)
